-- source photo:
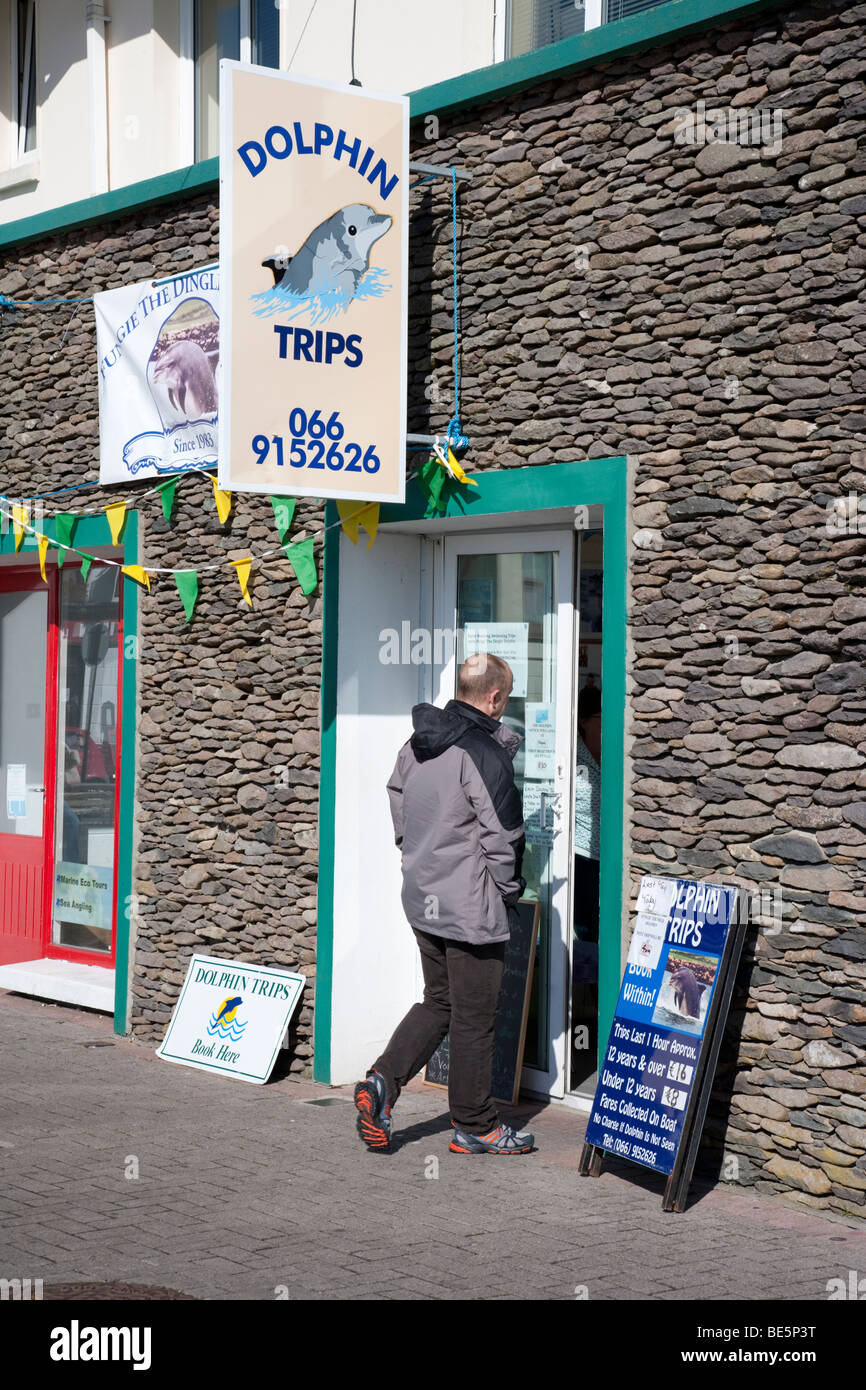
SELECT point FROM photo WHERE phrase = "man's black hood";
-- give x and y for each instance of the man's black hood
(437, 729)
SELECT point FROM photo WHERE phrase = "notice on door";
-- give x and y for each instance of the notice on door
(508, 640)
(540, 746)
(16, 791)
(83, 894)
(231, 1018)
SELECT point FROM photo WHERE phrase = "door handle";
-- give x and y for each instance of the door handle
(554, 799)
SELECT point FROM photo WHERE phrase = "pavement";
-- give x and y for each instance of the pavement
(119, 1168)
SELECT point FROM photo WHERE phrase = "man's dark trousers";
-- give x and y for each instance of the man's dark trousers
(461, 992)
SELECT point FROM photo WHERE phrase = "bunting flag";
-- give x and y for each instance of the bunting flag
(138, 574)
(166, 496)
(86, 562)
(187, 587)
(20, 516)
(116, 513)
(355, 514)
(42, 542)
(284, 513)
(303, 562)
(66, 524)
(242, 569)
(223, 500)
(431, 478)
(456, 470)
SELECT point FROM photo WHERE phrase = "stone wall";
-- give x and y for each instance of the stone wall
(699, 307)
(228, 743)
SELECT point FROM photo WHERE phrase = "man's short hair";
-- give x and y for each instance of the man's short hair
(480, 674)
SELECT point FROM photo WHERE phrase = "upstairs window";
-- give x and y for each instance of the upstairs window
(534, 24)
(245, 29)
(24, 49)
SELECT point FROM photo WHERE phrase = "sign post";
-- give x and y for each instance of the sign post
(658, 1067)
(314, 257)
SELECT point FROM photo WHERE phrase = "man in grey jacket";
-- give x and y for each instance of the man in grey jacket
(459, 823)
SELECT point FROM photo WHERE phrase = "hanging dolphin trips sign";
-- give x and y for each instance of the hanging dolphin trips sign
(313, 257)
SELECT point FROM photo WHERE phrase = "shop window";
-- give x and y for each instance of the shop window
(535, 24)
(87, 754)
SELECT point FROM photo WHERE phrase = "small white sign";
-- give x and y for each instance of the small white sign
(654, 902)
(231, 1017)
(540, 743)
(656, 895)
(16, 791)
(508, 640)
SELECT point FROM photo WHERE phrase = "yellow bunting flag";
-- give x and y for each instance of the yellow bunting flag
(355, 514)
(42, 542)
(138, 574)
(223, 501)
(116, 513)
(457, 471)
(242, 569)
(20, 515)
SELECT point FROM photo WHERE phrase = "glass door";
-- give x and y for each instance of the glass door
(512, 596)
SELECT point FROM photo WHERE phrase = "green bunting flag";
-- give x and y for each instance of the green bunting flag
(166, 493)
(86, 562)
(284, 512)
(300, 555)
(431, 478)
(187, 587)
(65, 529)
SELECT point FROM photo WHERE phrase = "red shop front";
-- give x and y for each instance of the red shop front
(61, 644)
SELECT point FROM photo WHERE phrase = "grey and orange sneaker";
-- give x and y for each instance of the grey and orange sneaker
(501, 1140)
(374, 1112)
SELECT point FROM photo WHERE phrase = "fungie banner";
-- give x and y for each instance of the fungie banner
(649, 1067)
(314, 257)
(158, 346)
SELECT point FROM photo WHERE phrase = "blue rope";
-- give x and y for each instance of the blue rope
(456, 438)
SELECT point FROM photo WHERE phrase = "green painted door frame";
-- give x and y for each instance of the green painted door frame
(92, 531)
(515, 492)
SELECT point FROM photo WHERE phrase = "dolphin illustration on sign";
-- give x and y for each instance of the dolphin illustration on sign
(332, 266)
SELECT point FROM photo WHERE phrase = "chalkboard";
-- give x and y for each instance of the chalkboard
(511, 1015)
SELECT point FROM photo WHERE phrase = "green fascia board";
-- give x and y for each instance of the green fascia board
(92, 531)
(522, 492)
(663, 24)
(609, 41)
(128, 743)
(180, 183)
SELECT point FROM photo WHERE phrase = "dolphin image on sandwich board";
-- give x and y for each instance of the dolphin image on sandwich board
(687, 991)
(335, 256)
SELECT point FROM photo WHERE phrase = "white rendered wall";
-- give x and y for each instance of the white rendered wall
(375, 956)
(399, 47)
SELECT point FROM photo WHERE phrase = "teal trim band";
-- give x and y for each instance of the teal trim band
(520, 492)
(327, 799)
(664, 23)
(180, 183)
(128, 743)
(670, 21)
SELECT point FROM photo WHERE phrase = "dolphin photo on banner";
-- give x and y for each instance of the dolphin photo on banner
(158, 346)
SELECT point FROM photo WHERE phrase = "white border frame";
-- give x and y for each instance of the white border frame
(226, 88)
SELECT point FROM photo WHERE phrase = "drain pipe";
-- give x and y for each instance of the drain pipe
(98, 84)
